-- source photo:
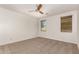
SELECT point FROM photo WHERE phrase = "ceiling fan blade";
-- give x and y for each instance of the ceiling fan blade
(39, 7)
(41, 12)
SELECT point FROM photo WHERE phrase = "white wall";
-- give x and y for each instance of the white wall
(16, 27)
(78, 27)
(53, 27)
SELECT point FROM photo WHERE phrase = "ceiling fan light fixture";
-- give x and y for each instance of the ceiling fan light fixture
(39, 11)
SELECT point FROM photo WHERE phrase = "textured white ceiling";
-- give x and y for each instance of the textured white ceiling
(51, 9)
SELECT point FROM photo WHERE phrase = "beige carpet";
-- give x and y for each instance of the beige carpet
(39, 46)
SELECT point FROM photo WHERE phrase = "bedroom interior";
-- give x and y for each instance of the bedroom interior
(39, 28)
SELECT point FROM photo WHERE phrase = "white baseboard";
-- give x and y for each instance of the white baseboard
(15, 40)
(75, 42)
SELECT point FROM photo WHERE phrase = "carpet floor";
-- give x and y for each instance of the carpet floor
(39, 46)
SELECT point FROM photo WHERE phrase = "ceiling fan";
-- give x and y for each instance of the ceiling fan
(38, 9)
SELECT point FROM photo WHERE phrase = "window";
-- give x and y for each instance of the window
(66, 23)
(43, 26)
